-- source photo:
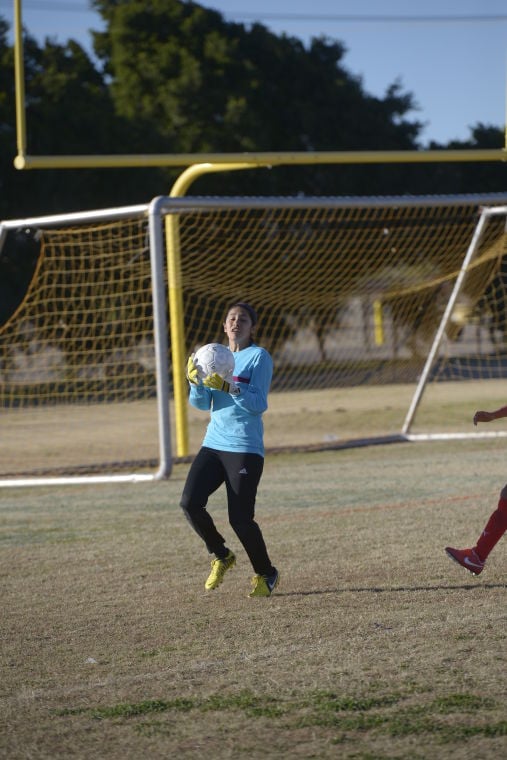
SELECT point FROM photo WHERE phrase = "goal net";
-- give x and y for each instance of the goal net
(351, 294)
(83, 355)
(386, 319)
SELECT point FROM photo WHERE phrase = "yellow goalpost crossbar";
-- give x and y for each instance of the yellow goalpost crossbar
(24, 161)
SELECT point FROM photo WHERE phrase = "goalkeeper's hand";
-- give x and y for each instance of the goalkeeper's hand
(192, 373)
(219, 384)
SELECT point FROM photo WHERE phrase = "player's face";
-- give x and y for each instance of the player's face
(238, 328)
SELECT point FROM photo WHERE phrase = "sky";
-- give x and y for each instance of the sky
(450, 54)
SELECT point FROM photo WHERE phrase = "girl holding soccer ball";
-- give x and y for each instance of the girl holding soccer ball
(232, 451)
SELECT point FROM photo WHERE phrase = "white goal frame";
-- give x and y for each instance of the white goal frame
(165, 210)
(159, 296)
(169, 206)
(485, 214)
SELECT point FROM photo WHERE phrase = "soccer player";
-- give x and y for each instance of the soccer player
(232, 451)
(474, 559)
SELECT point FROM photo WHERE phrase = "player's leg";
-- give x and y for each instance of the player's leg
(494, 529)
(244, 472)
(206, 474)
(474, 559)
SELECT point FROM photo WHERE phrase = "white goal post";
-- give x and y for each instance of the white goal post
(472, 254)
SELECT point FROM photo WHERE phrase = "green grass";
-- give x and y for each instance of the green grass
(376, 716)
(374, 646)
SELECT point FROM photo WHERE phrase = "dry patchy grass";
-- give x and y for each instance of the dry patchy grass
(375, 646)
(70, 436)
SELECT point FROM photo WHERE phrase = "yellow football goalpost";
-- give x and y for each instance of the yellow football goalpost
(24, 161)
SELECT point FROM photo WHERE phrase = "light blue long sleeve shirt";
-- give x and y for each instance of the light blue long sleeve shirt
(236, 420)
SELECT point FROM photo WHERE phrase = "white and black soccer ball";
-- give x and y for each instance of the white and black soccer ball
(214, 358)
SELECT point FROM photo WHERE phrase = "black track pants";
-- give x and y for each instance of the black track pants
(241, 474)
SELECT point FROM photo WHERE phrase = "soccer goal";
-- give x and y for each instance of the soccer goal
(84, 392)
(378, 312)
(478, 300)
(367, 305)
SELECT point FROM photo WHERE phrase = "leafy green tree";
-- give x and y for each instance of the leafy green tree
(211, 85)
(69, 110)
(472, 177)
(173, 77)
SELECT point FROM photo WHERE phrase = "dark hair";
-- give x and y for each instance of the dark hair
(249, 309)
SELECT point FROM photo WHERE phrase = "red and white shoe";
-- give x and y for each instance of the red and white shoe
(467, 558)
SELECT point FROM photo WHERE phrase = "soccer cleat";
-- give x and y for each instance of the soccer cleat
(219, 568)
(263, 585)
(467, 558)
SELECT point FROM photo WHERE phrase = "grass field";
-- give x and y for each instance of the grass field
(35, 440)
(374, 646)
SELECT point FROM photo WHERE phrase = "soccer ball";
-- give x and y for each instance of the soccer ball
(214, 358)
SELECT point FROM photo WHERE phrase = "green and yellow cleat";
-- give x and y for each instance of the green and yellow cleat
(219, 568)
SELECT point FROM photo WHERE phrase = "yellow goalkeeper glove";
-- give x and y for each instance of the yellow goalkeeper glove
(219, 384)
(192, 373)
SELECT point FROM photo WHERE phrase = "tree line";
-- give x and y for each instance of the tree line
(174, 77)
(169, 76)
